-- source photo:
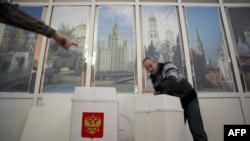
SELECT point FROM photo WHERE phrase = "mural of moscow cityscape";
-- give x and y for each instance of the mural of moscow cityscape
(161, 35)
(161, 38)
(114, 64)
(240, 22)
(114, 60)
(209, 51)
(17, 51)
(212, 68)
(64, 69)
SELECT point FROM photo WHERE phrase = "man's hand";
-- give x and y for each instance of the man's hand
(148, 90)
(63, 41)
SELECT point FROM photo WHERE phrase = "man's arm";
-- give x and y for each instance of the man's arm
(11, 14)
(166, 85)
(170, 74)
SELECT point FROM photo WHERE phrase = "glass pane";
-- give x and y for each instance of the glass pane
(212, 68)
(29, 0)
(72, 0)
(240, 22)
(161, 37)
(158, 0)
(115, 0)
(17, 63)
(236, 1)
(64, 69)
(115, 48)
(201, 1)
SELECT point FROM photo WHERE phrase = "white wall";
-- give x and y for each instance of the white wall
(13, 115)
(50, 120)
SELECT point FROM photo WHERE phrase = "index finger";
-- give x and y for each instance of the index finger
(74, 44)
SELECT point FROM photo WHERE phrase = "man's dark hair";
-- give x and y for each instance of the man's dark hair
(148, 58)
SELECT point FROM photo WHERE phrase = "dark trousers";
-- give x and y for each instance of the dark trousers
(193, 116)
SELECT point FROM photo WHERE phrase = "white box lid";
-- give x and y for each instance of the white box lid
(157, 103)
(95, 94)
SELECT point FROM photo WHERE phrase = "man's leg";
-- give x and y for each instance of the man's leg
(193, 115)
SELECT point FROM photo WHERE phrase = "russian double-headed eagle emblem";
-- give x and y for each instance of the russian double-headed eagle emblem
(92, 125)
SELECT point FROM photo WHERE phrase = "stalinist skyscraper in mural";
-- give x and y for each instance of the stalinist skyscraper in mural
(116, 56)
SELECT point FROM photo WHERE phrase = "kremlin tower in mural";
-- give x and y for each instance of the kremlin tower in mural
(166, 50)
(209, 76)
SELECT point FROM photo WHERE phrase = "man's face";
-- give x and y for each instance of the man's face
(151, 66)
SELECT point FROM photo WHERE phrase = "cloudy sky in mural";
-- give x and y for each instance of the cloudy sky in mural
(207, 22)
(165, 20)
(67, 15)
(109, 16)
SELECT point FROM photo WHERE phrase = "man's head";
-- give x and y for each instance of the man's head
(150, 64)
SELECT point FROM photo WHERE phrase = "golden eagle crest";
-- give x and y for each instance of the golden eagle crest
(92, 124)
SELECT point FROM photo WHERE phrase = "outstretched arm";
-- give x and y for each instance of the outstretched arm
(13, 15)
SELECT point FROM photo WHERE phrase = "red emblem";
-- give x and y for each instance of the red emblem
(92, 124)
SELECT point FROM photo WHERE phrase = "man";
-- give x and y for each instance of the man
(13, 15)
(166, 79)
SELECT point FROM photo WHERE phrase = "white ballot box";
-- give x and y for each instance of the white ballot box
(94, 114)
(158, 118)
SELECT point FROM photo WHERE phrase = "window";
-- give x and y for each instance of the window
(64, 69)
(161, 36)
(114, 52)
(201, 1)
(240, 23)
(211, 63)
(18, 60)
